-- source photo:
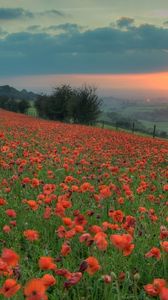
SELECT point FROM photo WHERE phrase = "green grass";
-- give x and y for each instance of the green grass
(159, 125)
(32, 111)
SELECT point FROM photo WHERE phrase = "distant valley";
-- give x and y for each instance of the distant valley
(147, 112)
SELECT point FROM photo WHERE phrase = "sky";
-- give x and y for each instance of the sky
(117, 45)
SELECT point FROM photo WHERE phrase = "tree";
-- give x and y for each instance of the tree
(56, 106)
(3, 101)
(23, 105)
(41, 105)
(68, 104)
(59, 103)
(12, 105)
(87, 107)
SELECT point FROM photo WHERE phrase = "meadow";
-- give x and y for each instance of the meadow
(83, 212)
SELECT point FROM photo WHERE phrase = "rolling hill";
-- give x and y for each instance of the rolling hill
(10, 92)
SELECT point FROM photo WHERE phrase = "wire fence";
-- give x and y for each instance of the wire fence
(155, 131)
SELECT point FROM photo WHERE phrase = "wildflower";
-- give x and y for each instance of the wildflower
(4, 268)
(67, 221)
(35, 182)
(123, 242)
(70, 233)
(26, 180)
(117, 216)
(165, 187)
(95, 229)
(63, 272)
(100, 240)
(83, 266)
(84, 237)
(80, 220)
(86, 187)
(11, 213)
(13, 223)
(47, 213)
(155, 288)
(164, 294)
(164, 246)
(48, 280)
(107, 278)
(47, 263)
(31, 235)
(65, 249)
(35, 290)
(6, 229)
(2, 202)
(121, 276)
(154, 252)
(61, 231)
(10, 257)
(74, 279)
(105, 192)
(163, 232)
(79, 228)
(93, 265)
(9, 288)
(32, 204)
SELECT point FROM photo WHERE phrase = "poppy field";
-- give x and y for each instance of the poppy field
(83, 212)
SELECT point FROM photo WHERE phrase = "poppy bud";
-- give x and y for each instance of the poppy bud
(83, 266)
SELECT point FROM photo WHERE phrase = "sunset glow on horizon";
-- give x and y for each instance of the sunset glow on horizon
(151, 81)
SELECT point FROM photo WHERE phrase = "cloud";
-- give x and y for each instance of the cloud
(34, 28)
(53, 13)
(134, 49)
(19, 13)
(70, 28)
(124, 22)
(3, 32)
(14, 13)
(66, 27)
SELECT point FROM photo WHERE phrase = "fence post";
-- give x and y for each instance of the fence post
(154, 130)
(103, 124)
(116, 125)
(133, 127)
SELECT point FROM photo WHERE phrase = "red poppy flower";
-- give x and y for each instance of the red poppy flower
(9, 288)
(10, 257)
(93, 265)
(154, 252)
(123, 242)
(31, 235)
(35, 290)
(47, 263)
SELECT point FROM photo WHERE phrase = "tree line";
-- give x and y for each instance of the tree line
(67, 104)
(10, 104)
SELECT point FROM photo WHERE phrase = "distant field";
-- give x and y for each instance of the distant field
(159, 125)
(144, 108)
(147, 114)
(32, 111)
